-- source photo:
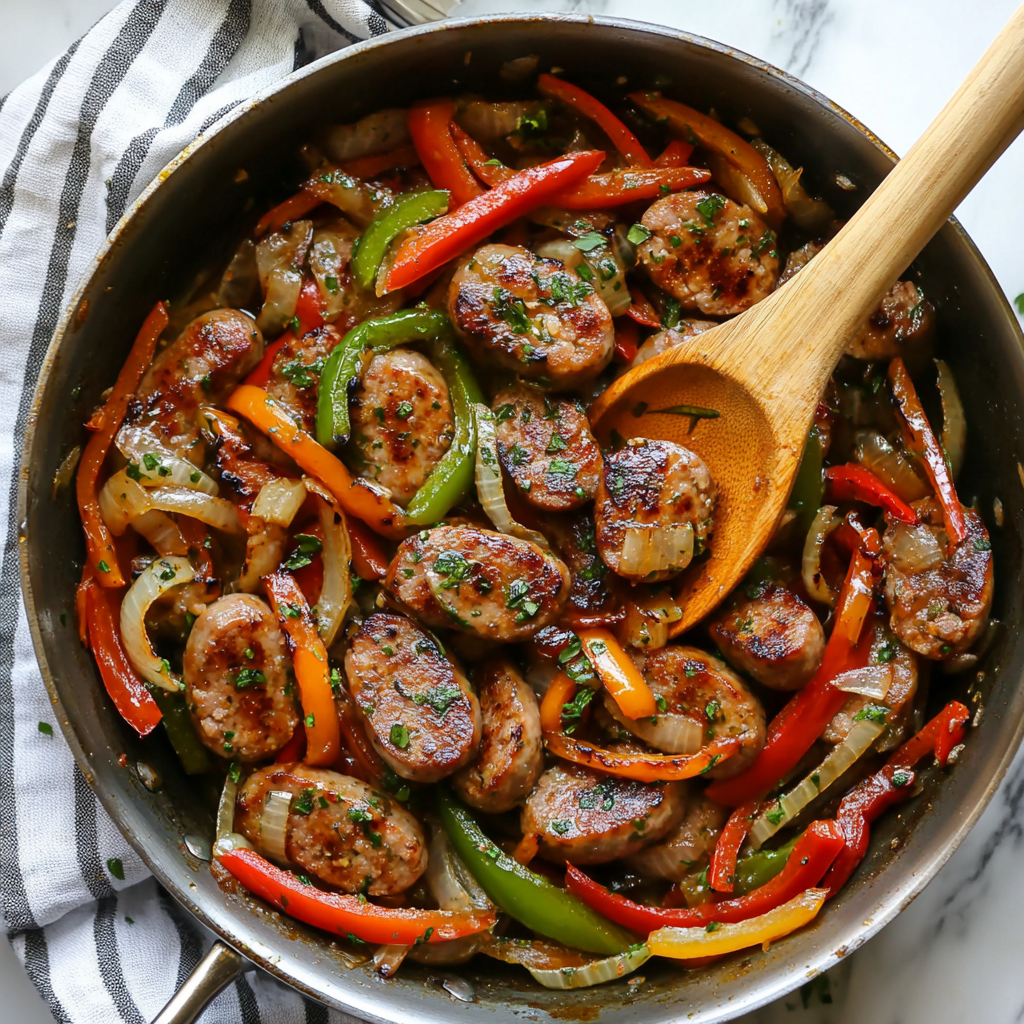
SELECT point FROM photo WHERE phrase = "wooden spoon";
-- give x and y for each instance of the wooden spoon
(765, 370)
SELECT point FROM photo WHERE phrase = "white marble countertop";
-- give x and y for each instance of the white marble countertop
(956, 953)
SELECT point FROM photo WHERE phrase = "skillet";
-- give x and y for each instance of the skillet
(194, 213)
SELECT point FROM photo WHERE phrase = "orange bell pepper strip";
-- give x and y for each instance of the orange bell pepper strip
(100, 556)
(894, 783)
(134, 702)
(355, 495)
(368, 556)
(764, 196)
(371, 166)
(620, 677)
(452, 234)
(349, 916)
(675, 154)
(594, 110)
(312, 672)
(431, 136)
(813, 853)
(293, 208)
(642, 767)
(921, 439)
(723, 858)
(795, 728)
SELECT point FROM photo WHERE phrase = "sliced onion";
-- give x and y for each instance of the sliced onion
(336, 593)
(489, 122)
(162, 533)
(954, 422)
(379, 132)
(656, 548)
(122, 500)
(231, 841)
(648, 618)
(150, 585)
(274, 826)
(158, 469)
(809, 214)
(893, 466)
(671, 734)
(65, 471)
(279, 258)
(608, 271)
(596, 973)
(264, 550)
(449, 880)
(226, 807)
(810, 567)
(914, 548)
(279, 501)
(240, 280)
(490, 486)
(858, 742)
(388, 959)
(329, 260)
(871, 681)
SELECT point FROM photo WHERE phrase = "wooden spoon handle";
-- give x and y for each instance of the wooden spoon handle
(810, 320)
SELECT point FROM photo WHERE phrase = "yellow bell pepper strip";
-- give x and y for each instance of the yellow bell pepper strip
(451, 235)
(798, 725)
(349, 916)
(312, 671)
(356, 496)
(693, 943)
(894, 783)
(922, 441)
(621, 678)
(762, 191)
(642, 767)
(526, 896)
(100, 556)
(431, 135)
(594, 110)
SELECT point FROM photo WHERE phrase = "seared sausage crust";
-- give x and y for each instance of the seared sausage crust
(584, 817)
(511, 755)
(340, 830)
(772, 636)
(479, 581)
(546, 446)
(419, 711)
(295, 373)
(237, 679)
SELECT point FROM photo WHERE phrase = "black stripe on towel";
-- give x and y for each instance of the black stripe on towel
(108, 957)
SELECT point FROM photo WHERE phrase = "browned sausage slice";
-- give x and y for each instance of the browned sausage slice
(237, 679)
(511, 754)
(339, 830)
(418, 708)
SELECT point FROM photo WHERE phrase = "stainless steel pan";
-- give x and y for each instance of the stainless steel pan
(196, 211)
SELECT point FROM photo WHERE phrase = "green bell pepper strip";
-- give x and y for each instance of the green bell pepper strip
(451, 479)
(761, 867)
(194, 757)
(407, 210)
(809, 485)
(526, 896)
(345, 364)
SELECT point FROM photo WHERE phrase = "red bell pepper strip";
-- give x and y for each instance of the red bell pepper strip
(368, 556)
(795, 728)
(132, 699)
(101, 558)
(894, 783)
(594, 110)
(293, 750)
(451, 235)
(431, 135)
(371, 166)
(812, 855)
(309, 309)
(259, 376)
(855, 483)
(367, 765)
(675, 154)
(627, 339)
(921, 439)
(293, 208)
(719, 141)
(723, 859)
(348, 916)
(641, 310)
(312, 672)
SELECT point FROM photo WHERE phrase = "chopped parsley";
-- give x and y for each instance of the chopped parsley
(454, 567)
(561, 827)
(512, 310)
(399, 736)
(307, 545)
(303, 803)
(116, 868)
(886, 652)
(518, 596)
(45, 728)
(638, 233)
(556, 444)
(573, 711)
(708, 207)
(562, 467)
(404, 410)
(439, 698)
(302, 375)
(249, 677)
(872, 713)
(504, 412)
(590, 241)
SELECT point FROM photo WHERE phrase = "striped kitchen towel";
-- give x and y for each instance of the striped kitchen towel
(78, 142)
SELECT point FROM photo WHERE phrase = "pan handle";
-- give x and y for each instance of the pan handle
(214, 972)
(418, 12)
